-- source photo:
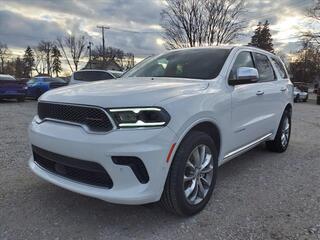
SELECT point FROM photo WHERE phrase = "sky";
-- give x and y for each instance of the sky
(134, 24)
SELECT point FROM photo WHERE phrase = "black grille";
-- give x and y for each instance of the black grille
(94, 118)
(78, 170)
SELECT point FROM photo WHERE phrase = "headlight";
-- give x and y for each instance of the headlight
(140, 117)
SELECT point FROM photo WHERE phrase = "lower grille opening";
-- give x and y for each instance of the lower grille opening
(78, 170)
(136, 166)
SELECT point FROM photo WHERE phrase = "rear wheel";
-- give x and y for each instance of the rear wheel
(281, 141)
(192, 175)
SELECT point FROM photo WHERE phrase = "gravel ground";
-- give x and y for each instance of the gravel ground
(259, 195)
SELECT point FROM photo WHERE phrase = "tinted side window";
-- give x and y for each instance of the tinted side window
(89, 76)
(244, 59)
(48, 79)
(280, 68)
(264, 67)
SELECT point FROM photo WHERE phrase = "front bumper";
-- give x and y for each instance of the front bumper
(13, 94)
(150, 145)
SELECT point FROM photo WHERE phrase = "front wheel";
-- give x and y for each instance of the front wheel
(192, 175)
(39, 92)
(281, 141)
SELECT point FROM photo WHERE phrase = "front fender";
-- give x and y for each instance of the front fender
(188, 111)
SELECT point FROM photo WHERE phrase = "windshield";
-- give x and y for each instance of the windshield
(203, 63)
(89, 76)
(32, 81)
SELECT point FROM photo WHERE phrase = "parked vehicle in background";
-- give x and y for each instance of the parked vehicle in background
(10, 88)
(162, 131)
(302, 86)
(316, 87)
(116, 74)
(91, 75)
(300, 95)
(39, 85)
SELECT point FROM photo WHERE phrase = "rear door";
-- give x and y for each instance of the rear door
(283, 86)
(273, 87)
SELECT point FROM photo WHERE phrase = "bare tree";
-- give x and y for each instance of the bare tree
(39, 64)
(124, 60)
(4, 54)
(313, 13)
(73, 48)
(129, 61)
(191, 23)
(45, 48)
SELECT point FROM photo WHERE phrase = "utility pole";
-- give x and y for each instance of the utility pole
(103, 44)
(306, 46)
(89, 47)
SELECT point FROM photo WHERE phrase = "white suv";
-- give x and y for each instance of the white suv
(162, 131)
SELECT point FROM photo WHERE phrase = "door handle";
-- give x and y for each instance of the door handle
(283, 89)
(259, 93)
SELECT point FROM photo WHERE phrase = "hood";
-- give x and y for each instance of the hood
(125, 92)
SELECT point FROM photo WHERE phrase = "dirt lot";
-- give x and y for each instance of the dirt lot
(259, 195)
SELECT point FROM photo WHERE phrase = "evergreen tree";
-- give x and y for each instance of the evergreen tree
(28, 60)
(266, 39)
(255, 39)
(19, 68)
(262, 37)
(56, 64)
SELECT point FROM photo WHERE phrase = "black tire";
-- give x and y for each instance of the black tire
(21, 99)
(276, 145)
(173, 197)
(38, 94)
(296, 99)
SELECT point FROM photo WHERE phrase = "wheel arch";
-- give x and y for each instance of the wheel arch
(207, 126)
(288, 108)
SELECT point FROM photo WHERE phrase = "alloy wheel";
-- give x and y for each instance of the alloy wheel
(198, 174)
(285, 132)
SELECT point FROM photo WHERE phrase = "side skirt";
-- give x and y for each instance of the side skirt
(245, 148)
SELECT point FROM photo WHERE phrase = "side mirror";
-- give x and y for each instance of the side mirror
(245, 75)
